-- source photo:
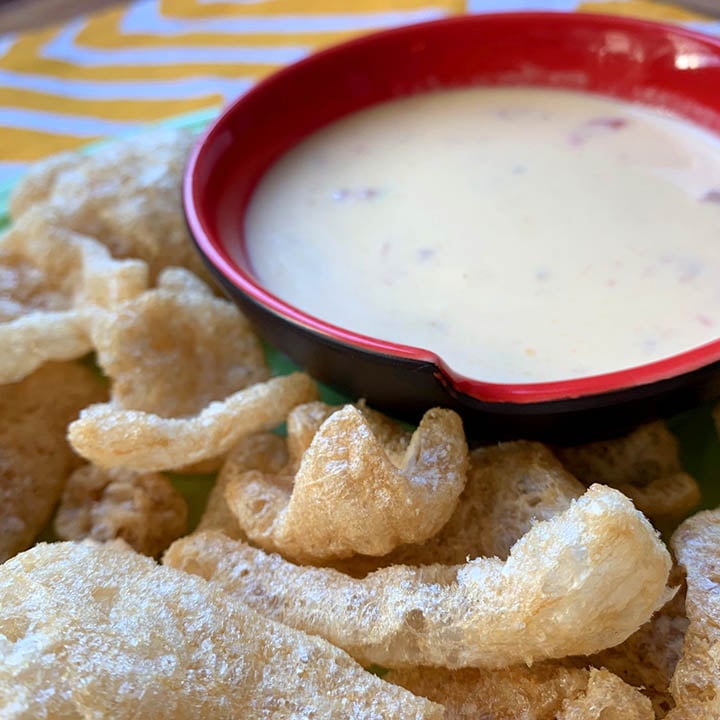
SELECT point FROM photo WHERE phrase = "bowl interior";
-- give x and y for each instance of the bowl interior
(665, 67)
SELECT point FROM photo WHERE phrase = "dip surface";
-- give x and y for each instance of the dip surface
(523, 235)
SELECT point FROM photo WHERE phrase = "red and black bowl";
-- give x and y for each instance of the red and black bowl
(658, 65)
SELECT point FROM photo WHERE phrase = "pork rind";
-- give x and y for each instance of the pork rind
(353, 494)
(48, 277)
(176, 348)
(265, 452)
(98, 631)
(35, 458)
(645, 465)
(546, 691)
(647, 659)
(696, 683)
(510, 486)
(144, 510)
(110, 436)
(126, 194)
(575, 584)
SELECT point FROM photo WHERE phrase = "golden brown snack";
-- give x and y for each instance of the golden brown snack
(645, 465)
(112, 437)
(695, 685)
(98, 631)
(545, 691)
(265, 452)
(575, 584)
(126, 194)
(35, 458)
(48, 278)
(647, 659)
(349, 494)
(176, 348)
(510, 486)
(144, 510)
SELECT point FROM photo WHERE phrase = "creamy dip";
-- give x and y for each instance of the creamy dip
(522, 234)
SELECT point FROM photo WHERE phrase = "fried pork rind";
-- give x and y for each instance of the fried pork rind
(546, 691)
(575, 584)
(176, 348)
(35, 458)
(265, 452)
(144, 510)
(696, 683)
(49, 276)
(126, 194)
(645, 465)
(510, 486)
(110, 436)
(98, 631)
(647, 659)
(352, 494)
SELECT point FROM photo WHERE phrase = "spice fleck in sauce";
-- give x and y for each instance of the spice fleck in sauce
(524, 235)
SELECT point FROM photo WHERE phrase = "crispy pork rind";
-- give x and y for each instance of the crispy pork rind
(647, 659)
(510, 486)
(35, 458)
(49, 277)
(126, 194)
(144, 510)
(645, 465)
(546, 691)
(265, 452)
(98, 631)
(575, 584)
(696, 683)
(110, 436)
(352, 494)
(176, 348)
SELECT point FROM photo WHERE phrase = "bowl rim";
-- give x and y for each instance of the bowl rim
(491, 392)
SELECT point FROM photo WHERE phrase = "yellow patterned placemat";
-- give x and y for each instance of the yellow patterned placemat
(114, 72)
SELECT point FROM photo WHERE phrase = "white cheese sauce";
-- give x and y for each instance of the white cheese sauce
(524, 235)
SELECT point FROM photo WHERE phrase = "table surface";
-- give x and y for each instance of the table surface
(24, 14)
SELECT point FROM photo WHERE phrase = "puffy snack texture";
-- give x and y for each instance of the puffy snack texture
(510, 486)
(580, 582)
(110, 436)
(49, 277)
(545, 691)
(351, 494)
(35, 458)
(126, 194)
(695, 685)
(176, 348)
(144, 510)
(645, 465)
(136, 640)
(263, 451)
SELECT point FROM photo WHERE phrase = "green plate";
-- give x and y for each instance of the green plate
(699, 443)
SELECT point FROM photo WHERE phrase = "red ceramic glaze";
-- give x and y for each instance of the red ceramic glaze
(662, 66)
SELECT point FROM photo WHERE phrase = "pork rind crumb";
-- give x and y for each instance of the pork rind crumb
(144, 510)
(35, 458)
(695, 685)
(575, 584)
(351, 493)
(645, 465)
(98, 631)
(126, 194)
(49, 278)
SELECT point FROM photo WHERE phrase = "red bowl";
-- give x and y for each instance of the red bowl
(658, 65)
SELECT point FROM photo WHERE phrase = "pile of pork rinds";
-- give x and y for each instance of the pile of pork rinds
(350, 568)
